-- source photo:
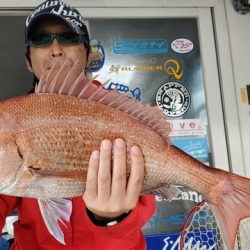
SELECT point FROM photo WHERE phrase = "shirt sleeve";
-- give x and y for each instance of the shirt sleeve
(133, 222)
(7, 206)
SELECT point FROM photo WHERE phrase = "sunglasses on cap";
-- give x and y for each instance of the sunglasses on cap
(65, 38)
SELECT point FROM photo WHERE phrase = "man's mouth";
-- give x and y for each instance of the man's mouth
(58, 64)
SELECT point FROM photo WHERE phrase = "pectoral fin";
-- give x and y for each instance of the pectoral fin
(54, 210)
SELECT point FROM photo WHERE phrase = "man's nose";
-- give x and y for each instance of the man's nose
(56, 49)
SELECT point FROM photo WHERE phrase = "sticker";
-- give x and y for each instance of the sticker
(196, 240)
(140, 46)
(158, 220)
(97, 56)
(173, 99)
(196, 147)
(136, 92)
(187, 127)
(173, 68)
(182, 45)
(121, 69)
(243, 95)
(185, 195)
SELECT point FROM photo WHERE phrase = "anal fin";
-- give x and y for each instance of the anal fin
(54, 210)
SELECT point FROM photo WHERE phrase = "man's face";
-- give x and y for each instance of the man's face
(43, 58)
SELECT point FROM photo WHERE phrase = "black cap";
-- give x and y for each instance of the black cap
(60, 10)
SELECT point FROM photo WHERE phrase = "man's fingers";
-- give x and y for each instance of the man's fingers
(136, 178)
(104, 173)
(119, 179)
(92, 175)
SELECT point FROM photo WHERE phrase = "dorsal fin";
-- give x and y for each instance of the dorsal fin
(66, 79)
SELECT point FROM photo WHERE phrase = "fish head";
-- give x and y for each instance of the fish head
(11, 160)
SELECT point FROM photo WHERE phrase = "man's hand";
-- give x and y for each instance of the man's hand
(109, 193)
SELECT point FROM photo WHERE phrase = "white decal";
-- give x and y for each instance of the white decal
(189, 245)
(187, 127)
(173, 99)
(182, 45)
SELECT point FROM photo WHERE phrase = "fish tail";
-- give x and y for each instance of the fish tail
(233, 206)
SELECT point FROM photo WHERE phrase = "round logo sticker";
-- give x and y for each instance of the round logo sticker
(173, 99)
(182, 45)
(97, 56)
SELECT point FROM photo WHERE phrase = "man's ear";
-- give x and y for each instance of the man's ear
(29, 67)
(89, 59)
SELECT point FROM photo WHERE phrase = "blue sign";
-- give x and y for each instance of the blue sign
(205, 240)
(196, 147)
(177, 219)
(140, 46)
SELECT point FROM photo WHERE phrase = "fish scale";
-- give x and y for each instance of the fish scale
(63, 143)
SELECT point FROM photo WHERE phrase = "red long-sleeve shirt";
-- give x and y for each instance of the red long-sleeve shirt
(80, 234)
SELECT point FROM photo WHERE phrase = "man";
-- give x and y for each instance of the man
(111, 212)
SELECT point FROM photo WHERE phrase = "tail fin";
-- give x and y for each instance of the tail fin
(233, 207)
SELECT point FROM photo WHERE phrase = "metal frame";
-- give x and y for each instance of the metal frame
(114, 3)
(227, 146)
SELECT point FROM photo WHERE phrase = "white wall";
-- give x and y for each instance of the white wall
(239, 35)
